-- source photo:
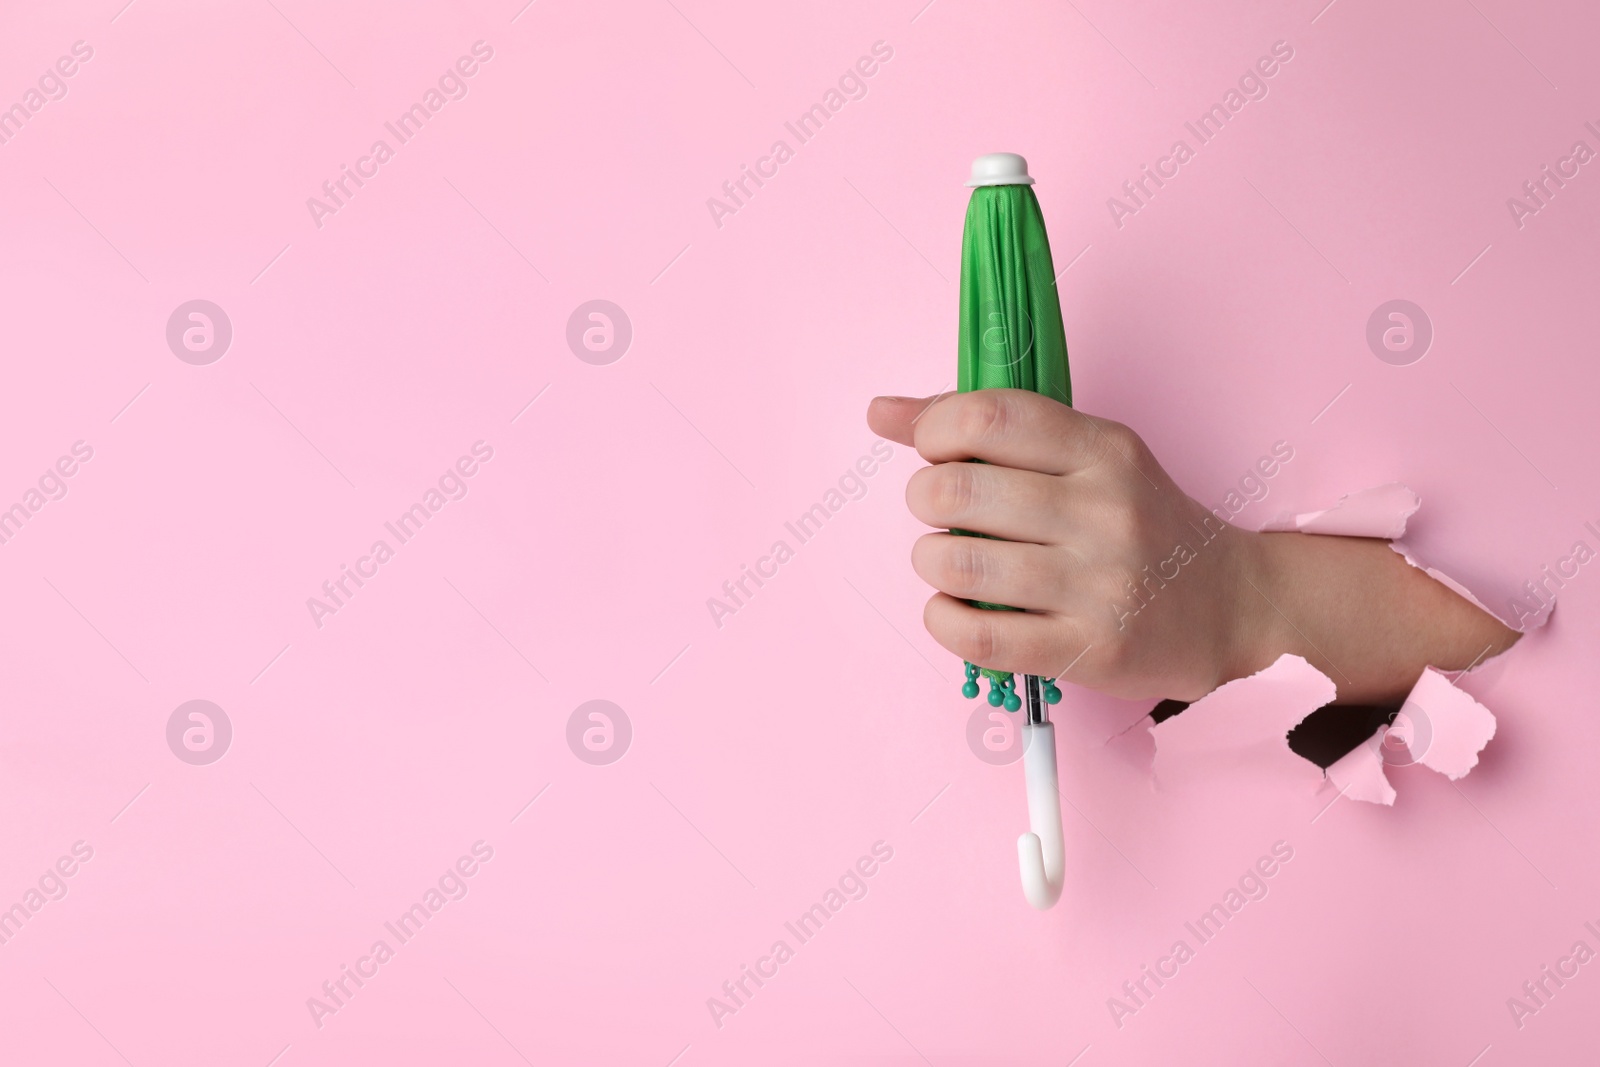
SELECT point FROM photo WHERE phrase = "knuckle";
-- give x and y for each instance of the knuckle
(1120, 523)
(953, 490)
(951, 564)
(982, 417)
(1110, 656)
(1121, 437)
(1118, 651)
(1115, 443)
(979, 643)
(964, 564)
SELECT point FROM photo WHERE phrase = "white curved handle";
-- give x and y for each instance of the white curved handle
(1040, 853)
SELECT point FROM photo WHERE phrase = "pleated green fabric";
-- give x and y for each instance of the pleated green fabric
(1011, 335)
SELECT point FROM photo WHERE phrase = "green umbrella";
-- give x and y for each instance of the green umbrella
(1011, 335)
(1011, 338)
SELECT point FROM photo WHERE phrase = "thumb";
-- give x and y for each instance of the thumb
(895, 417)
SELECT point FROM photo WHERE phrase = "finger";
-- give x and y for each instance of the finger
(1014, 504)
(996, 572)
(895, 417)
(1014, 428)
(1014, 641)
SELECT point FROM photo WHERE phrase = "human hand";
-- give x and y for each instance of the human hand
(1139, 589)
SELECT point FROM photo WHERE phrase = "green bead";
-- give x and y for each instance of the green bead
(1052, 695)
(969, 690)
(996, 698)
(1013, 702)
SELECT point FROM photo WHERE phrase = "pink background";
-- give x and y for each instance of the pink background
(767, 755)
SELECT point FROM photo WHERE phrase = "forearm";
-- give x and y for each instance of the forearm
(1358, 612)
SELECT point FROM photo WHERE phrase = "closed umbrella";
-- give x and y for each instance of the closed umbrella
(1011, 338)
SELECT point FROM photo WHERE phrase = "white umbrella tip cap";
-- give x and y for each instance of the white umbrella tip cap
(1000, 168)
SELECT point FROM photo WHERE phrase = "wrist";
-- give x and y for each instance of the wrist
(1252, 634)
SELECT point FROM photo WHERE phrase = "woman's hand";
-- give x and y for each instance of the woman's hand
(1138, 589)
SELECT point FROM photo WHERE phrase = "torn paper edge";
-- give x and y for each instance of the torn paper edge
(1380, 511)
(1440, 726)
(1457, 726)
(1383, 511)
(1359, 772)
(1522, 624)
(1283, 694)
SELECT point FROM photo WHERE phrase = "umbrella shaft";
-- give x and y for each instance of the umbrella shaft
(1033, 700)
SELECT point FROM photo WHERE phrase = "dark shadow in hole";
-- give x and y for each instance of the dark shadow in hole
(1166, 710)
(1334, 730)
(1324, 736)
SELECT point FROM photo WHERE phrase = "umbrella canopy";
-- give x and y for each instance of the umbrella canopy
(1011, 335)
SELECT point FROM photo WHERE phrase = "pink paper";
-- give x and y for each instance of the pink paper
(648, 662)
(1381, 511)
(1456, 728)
(1256, 711)
(1359, 774)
